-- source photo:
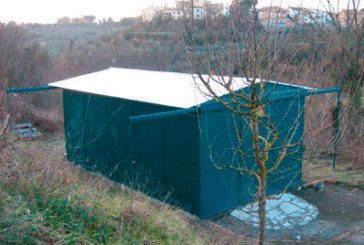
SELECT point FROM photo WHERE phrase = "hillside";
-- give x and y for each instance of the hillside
(55, 38)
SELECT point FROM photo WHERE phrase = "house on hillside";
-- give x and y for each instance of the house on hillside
(198, 9)
(172, 13)
(274, 16)
(308, 16)
(149, 13)
(164, 129)
(192, 8)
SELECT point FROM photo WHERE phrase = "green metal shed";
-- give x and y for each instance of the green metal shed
(162, 126)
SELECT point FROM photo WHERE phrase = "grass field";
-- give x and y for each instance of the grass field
(321, 168)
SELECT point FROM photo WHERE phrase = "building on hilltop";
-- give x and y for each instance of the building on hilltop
(172, 13)
(319, 17)
(274, 16)
(192, 8)
(149, 13)
(308, 16)
(198, 9)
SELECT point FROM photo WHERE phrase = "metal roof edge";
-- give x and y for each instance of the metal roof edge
(54, 83)
(160, 115)
(33, 89)
(292, 85)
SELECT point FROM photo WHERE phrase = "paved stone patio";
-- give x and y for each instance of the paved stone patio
(284, 211)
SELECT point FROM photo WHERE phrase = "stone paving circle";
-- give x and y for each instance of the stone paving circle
(284, 211)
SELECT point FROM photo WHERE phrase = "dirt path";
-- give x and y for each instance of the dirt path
(341, 218)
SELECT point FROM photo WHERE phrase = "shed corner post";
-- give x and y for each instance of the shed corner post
(336, 128)
(336, 121)
(9, 108)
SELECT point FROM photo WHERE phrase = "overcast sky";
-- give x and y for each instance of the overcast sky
(48, 11)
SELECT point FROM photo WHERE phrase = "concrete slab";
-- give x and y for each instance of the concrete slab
(283, 212)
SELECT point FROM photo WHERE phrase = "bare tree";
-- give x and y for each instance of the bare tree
(247, 49)
(340, 59)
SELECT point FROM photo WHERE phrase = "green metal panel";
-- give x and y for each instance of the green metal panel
(73, 123)
(181, 160)
(148, 145)
(271, 92)
(288, 117)
(98, 132)
(148, 153)
(95, 133)
(117, 138)
(165, 153)
(222, 190)
(219, 188)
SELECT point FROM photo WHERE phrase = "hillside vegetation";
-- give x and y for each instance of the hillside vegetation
(45, 199)
(57, 37)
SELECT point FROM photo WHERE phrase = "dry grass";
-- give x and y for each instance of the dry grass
(45, 199)
(319, 168)
(47, 120)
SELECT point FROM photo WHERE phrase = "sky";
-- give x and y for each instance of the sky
(48, 11)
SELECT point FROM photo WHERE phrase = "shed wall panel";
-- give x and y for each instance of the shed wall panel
(219, 188)
(148, 154)
(73, 125)
(222, 190)
(288, 116)
(95, 133)
(181, 160)
(98, 132)
(117, 138)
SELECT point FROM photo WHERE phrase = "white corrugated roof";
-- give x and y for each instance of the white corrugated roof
(163, 88)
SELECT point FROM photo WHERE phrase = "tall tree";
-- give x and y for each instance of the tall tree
(253, 55)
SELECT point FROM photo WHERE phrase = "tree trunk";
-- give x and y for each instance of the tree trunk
(261, 163)
(262, 207)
